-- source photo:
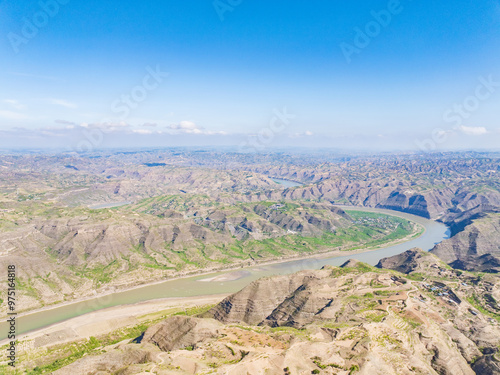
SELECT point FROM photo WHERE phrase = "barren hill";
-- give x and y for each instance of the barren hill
(337, 320)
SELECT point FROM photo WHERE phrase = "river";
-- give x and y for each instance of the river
(192, 286)
(286, 183)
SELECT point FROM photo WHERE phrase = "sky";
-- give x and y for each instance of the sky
(382, 75)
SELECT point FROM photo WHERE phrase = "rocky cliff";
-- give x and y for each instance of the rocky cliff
(476, 247)
(354, 319)
(413, 260)
(180, 332)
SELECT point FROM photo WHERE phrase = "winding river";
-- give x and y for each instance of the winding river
(235, 280)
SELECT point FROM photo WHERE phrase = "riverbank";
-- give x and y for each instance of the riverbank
(190, 285)
(106, 320)
(235, 271)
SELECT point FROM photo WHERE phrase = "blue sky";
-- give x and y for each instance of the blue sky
(67, 68)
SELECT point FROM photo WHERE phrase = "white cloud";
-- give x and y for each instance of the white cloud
(10, 115)
(184, 125)
(14, 103)
(307, 133)
(150, 124)
(142, 131)
(106, 126)
(65, 122)
(62, 103)
(473, 130)
(187, 127)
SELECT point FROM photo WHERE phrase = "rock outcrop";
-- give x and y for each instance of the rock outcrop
(109, 363)
(337, 320)
(411, 260)
(475, 248)
(258, 300)
(179, 332)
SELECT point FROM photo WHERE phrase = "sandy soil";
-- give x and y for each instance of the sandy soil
(231, 276)
(106, 320)
(233, 273)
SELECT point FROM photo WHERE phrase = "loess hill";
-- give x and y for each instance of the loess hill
(184, 210)
(353, 319)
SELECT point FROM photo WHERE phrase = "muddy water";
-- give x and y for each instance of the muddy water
(192, 286)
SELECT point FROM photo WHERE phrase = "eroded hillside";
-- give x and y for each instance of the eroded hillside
(355, 319)
(77, 224)
(68, 253)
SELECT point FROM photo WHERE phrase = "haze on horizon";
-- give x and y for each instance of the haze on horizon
(380, 75)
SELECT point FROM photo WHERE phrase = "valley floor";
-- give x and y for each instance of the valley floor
(151, 306)
(108, 320)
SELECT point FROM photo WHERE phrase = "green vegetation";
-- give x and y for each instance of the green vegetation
(77, 352)
(195, 252)
(358, 269)
(354, 334)
(416, 276)
(353, 369)
(475, 301)
(369, 229)
(377, 285)
(69, 353)
(101, 274)
(413, 324)
(194, 311)
(376, 316)
(385, 293)
(384, 340)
